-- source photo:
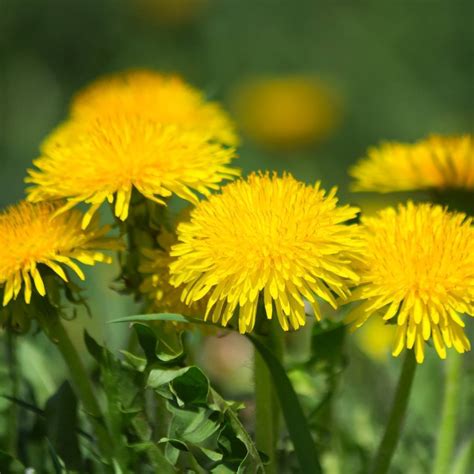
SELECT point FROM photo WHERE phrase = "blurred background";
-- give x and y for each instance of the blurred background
(399, 70)
(311, 84)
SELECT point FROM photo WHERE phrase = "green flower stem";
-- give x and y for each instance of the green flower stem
(267, 424)
(464, 459)
(14, 380)
(397, 415)
(449, 416)
(53, 327)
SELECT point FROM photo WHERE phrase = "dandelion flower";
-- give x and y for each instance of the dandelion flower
(287, 112)
(105, 158)
(156, 286)
(31, 238)
(437, 162)
(418, 270)
(265, 236)
(161, 98)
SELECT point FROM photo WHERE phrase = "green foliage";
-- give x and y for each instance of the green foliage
(163, 414)
(203, 429)
(9, 464)
(191, 382)
(61, 422)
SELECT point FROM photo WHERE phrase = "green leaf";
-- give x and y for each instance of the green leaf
(203, 424)
(10, 464)
(207, 458)
(195, 430)
(126, 414)
(170, 317)
(133, 361)
(192, 386)
(233, 437)
(292, 412)
(147, 341)
(169, 347)
(121, 394)
(159, 377)
(61, 426)
(194, 425)
(41, 414)
(204, 430)
(58, 464)
(189, 384)
(27, 406)
(157, 347)
(94, 349)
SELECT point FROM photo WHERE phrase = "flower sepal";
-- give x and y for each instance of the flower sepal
(15, 317)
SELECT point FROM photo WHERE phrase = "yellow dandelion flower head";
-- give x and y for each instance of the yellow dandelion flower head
(438, 162)
(156, 286)
(105, 158)
(162, 98)
(287, 112)
(31, 237)
(270, 236)
(418, 269)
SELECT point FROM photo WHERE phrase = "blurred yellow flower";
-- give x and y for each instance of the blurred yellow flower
(106, 157)
(31, 238)
(375, 338)
(265, 236)
(436, 162)
(418, 267)
(287, 112)
(162, 98)
(160, 294)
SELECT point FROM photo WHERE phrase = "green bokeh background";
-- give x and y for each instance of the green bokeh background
(404, 70)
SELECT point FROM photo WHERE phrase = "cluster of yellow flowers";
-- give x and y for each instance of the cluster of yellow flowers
(140, 131)
(265, 239)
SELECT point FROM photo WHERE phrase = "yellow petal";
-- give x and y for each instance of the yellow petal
(268, 303)
(419, 349)
(73, 266)
(89, 214)
(399, 342)
(438, 343)
(27, 280)
(426, 326)
(38, 281)
(8, 291)
(57, 269)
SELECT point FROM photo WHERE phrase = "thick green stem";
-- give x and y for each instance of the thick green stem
(53, 327)
(267, 426)
(449, 417)
(397, 415)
